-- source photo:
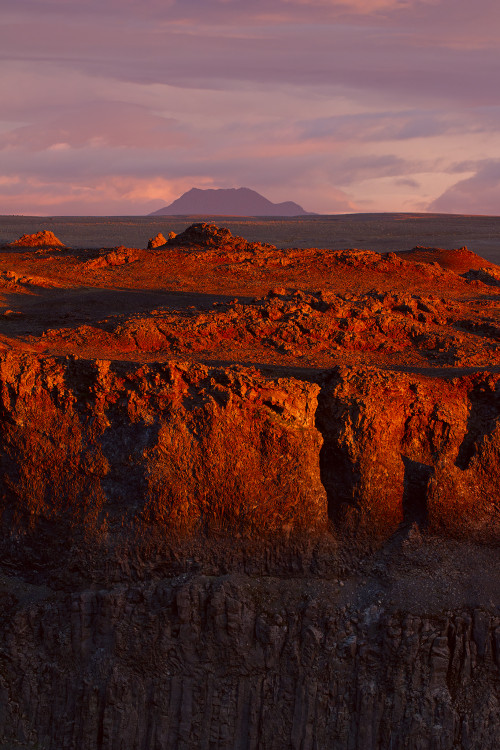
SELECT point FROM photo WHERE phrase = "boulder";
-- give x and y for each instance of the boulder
(157, 241)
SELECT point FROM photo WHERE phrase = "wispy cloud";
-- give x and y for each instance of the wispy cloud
(112, 124)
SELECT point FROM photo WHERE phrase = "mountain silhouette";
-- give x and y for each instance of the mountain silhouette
(228, 202)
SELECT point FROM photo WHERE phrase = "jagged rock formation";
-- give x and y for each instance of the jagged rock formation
(160, 240)
(117, 257)
(297, 325)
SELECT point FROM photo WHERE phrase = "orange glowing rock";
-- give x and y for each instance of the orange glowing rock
(44, 238)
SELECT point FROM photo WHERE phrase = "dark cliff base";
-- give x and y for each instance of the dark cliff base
(298, 643)
(249, 498)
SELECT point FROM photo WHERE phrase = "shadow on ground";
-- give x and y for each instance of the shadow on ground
(46, 309)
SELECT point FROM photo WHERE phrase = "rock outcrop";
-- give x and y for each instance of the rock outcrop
(175, 447)
(489, 276)
(205, 235)
(407, 448)
(45, 238)
(117, 257)
(156, 241)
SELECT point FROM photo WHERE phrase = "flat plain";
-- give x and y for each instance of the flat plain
(379, 232)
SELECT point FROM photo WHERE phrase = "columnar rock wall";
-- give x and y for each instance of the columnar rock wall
(235, 662)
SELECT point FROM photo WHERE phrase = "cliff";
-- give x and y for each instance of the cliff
(249, 498)
(177, 446)
(192, 448)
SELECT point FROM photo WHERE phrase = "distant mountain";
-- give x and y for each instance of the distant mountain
(228, 202)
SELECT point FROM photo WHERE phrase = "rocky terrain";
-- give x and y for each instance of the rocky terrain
(249, 496)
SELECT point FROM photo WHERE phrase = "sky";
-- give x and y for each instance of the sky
(117, 107)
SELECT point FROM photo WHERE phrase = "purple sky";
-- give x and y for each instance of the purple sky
(119, 106)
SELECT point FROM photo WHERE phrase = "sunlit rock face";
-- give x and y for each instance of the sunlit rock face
(205, 235)
(215, 448)
(406, 448)
(184, 447)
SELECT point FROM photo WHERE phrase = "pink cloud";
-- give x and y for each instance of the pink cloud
(133, 196)
(112, 196)
(98, 124)
(366, 7)
(412, 49)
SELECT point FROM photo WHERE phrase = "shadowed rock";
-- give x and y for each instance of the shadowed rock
(489, 276)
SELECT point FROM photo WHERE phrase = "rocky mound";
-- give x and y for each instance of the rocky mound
(458, 260)
(44, 238)
(214, 237)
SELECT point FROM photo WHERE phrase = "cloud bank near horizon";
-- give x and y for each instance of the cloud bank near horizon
(119, 107)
